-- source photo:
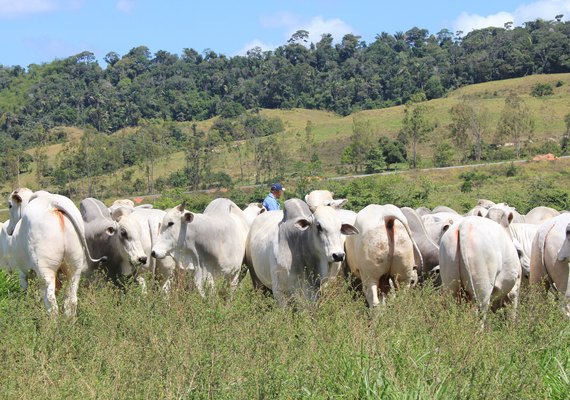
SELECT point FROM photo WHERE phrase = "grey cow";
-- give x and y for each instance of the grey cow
(119, 241)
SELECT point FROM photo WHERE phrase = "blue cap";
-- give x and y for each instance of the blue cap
(277, 186)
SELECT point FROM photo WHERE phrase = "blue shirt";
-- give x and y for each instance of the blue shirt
(270, 203)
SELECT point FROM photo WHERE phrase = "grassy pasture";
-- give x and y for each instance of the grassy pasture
(423, 344)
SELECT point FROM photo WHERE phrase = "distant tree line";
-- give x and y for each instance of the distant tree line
(345, 77)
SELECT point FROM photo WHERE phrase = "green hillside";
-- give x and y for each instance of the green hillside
(332, 132)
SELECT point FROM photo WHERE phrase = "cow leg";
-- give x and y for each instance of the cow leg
(24, 280)
(199, 279)
(385, 285)
(370, 288)
(48, 278)
(142, 283)
(234, 281)
(166, 268)
(70, 304)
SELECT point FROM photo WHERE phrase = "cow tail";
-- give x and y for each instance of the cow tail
(462, 239)
(79, 229)
(399, 215)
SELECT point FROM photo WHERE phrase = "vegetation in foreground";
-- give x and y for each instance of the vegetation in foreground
(423, 344)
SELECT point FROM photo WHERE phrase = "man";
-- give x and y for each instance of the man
(270, 203)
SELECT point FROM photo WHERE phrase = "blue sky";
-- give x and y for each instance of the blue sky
(36, 31)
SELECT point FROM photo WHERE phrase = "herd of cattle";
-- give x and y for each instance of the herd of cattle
(485, 254)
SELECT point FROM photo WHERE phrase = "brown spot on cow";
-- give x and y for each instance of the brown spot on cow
(60, 217)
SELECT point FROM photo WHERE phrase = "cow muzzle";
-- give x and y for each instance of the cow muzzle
(339, 256)
(156, 254)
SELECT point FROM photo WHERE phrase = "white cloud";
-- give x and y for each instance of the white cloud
(291, 24)
(468, 22)
(318, 26)
(544, 9)
(125, 6)
(12, 8)
(255, 43)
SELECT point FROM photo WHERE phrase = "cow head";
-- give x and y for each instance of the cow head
(172, 232)
(326, 229)
(128, 233)
(17, 202)
(323, 198)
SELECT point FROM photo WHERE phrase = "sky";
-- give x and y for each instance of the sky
(39, 31)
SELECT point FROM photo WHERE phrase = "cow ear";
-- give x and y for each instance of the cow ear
(510, 217)
(347, 229)
(17, 198)
(337, 203)
(307, 198)
(262, 210)
(302, 224)
(110, 230)
(188, 217)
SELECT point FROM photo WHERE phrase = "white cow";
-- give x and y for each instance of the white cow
(523, 234)
(48, 238)
(385, 250)
(17, 202)
(478, 256)
(252, 211)
(540, 214)
(550, 257)
(437, 223)
(292, 252)
(323, 197)
(212, 242)
(149, 221)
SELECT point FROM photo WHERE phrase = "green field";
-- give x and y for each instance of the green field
(421, 345)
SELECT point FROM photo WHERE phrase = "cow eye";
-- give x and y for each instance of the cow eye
(319, 228)
(124, 234)
(10, 205)
(170, 224)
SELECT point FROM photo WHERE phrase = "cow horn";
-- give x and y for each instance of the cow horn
(182, 206)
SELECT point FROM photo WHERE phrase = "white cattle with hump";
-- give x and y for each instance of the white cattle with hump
(120, 241)
(213, 243)
(293, 252)
(477, 256)
(49, 238)
(384, 251)
(550, 257)
(323, 198)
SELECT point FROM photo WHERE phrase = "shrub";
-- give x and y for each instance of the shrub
(542, 89)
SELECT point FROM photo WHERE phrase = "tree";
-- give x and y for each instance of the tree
(469, 121)
(516, 122)
(357, 151)
(416, 126)
(443, 154)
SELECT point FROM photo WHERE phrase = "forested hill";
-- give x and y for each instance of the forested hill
(345, 77)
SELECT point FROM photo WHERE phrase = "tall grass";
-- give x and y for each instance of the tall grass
(423, 344)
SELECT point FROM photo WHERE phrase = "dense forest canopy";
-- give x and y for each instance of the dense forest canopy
(345, 77)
